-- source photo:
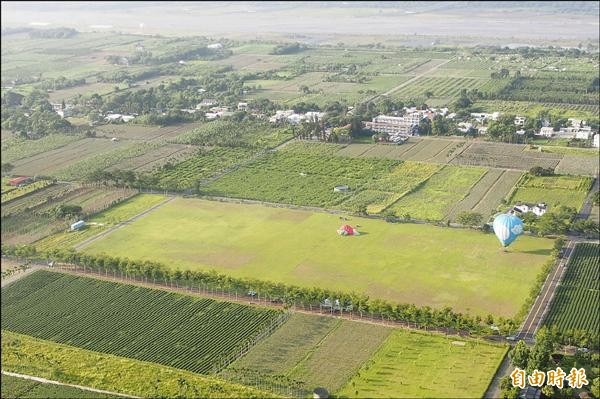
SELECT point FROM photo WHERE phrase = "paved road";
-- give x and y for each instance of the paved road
(90, 240)
(45, 381)
(586, 209)
(539, 309)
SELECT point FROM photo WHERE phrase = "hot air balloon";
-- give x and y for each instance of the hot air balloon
(507, 228)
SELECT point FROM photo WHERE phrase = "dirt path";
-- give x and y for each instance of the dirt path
(17, 276)
(90, 240)
(83, 388)
(494, 390)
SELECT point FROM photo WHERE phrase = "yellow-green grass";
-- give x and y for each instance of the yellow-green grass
(316, 350)
(417, 365)
(407, 263)
(16, 387)
(100, 222)
(553, 190)
(27, 355)
(435, 198)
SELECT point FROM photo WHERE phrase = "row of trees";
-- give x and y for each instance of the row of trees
(539, 357)
(289, 295)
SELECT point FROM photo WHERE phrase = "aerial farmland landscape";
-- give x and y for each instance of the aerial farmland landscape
(300, 199)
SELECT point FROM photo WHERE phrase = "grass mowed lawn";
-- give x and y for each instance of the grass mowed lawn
(408, 263)
(417, 365)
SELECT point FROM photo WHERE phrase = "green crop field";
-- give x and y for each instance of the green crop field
(553, 190)
(407, 263)
(418, 365)
(17, 388)
(577, 299)
(27, 355)
(434, 199)
(140, 323)
(315, 350)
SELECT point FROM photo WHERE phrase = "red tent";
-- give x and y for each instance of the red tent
(348, 229)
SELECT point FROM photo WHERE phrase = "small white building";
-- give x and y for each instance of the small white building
(537, 210)
(341, 189)
(211, 115)
(242, 106)
(546, 131)
(215, 46)
(77, 225)
(596, 141)
(520, 120)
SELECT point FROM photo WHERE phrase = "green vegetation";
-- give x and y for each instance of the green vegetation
(318, 351)
(206, 163)
(102, 221)
(574, 308)
(65, 309)
(67, 364)
(557, 190)
(252, 240)
(16, 388)
(27, 189)
(417, 365)
(437, 195)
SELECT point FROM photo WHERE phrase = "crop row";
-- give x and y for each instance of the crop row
(150, 325)
(22, 191)
(575, 306)
(206, 163)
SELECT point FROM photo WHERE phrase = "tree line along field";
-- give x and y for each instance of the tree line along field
(406, 263)
(17, 388)
(68, 364)
(184, 332)
(575, 305)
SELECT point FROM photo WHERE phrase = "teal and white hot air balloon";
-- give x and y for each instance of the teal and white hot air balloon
(507, 228)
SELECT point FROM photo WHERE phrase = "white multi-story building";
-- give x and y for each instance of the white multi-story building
(393, 125)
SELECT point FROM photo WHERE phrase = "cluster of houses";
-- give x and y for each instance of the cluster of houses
(399, 128)
(536, 209)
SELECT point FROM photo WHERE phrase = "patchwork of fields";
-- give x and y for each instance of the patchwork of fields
(406, 263)
(33, 216)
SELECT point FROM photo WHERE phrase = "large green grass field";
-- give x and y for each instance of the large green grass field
(407, 263)
(417, 365)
